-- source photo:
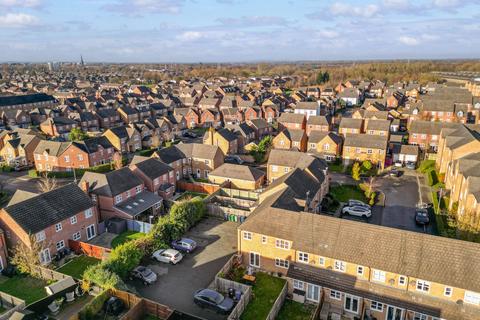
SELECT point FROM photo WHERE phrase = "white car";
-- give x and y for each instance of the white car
(358, 211)
(167, 256)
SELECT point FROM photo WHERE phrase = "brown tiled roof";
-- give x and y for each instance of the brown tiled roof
(366, 141)
(237, 171)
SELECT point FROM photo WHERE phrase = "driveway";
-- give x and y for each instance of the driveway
(217, 240)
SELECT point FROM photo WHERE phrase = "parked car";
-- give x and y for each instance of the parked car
(398, 164)
(214, 300)
(145, 274)
(421, 216)
(184, 245)
(190, 134)
(359, 211)
(395, 173)
(233, 159)
(410, 165)
(114, 306)
(357, 203)
(167, 256)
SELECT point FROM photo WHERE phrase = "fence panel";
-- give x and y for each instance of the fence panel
(139, 226)
(199, 187)
(278, 303)
(10, 303)
(90, 250)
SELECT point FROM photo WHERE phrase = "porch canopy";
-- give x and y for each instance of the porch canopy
(140, 203)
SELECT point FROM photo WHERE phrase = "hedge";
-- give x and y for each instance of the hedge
(94, 307)
(103, 168)
(432, 178)
(5, 168)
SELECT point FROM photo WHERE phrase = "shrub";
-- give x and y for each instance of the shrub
(356, 171)
(94, 307)
(367, 164)
(166, 230)
(124, 258)
(426, 165)
(5, 168)
(373, 195)
(432, 178)
(33, 173)
(100, 275)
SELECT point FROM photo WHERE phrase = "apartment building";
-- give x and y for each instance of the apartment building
(358, 270)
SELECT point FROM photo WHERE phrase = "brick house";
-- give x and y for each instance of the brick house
(426, 134)
(52, 217)
(232, 115)
(157, 176)
(292, 121)
(128, 114)
(124, 139)
(58, 127)
(349, 125)
(252, 112)
(108, 118)
(121, 194)
(327, 145)
(291, 138)
(224, 138)
(318, 123)
(362, 147)
(261, 128)
(281, 162)
(18, 149)
(270, 112)
(211, 118)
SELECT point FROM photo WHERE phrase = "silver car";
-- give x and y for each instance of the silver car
(145, 274)
(359, 211)
(167, 256)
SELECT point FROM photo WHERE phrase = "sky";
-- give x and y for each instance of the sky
(205, 31)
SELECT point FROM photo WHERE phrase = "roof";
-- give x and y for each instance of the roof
(237, 171)
(430, 127)
(409, 149)
(372, 141)
(317, 136)
(291, 118)
(197, 150)
(307, 105)
(351, 123)
(53, 148)
(318, 120)
(378, 125)
(294, 134)
(26, 99)
(227, 134)
(151, 167)
(139, 203)
(111, 183)
(169, 155)
(44, 210)
(423, 256)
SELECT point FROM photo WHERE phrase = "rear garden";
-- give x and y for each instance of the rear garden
(77, 266)
(24, 287)
(343, 193)
(292, 310)
(188, 195)
(126, 237)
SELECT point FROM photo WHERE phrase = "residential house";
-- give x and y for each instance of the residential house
(350, 96)
(362, 147)
(124, 139)
(199, 159)
(292, 121)
(128, 114)
(281, 162)
(318, 123)
(58, 127)
(27, 101)
(326, 145)
(224, 138)
(426, 134)
(261, 128)
(237, 176)
(157, 176)
(16, 118)
(378, 127)
(108, 118)
(121, 194)
(52, 218)
(244, 133)
(232, 115)
(270, 112)
(291, 139)
(350, 126)
(251, 113)
(211, 118)
(18, 149)
(307, 108)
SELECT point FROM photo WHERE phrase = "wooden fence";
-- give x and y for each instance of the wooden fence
(10, 303)
(90, 250)
(140, 307)
(278, 303)
(49, 274)
(200, 187)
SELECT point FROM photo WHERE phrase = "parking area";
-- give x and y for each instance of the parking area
(217, 241)
(402, 194)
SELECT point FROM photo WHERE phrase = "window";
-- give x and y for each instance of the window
(58, 227)
(156, 181)
(274, 168)
(472, 297)
(419, 316)
(40, 236)
(337, 295)
(423, 286)
(360, 270)
(264, 239)
(313, 292)
(73, 220)
(281, 263)
(170, 174)
(67, 158)
(402, 280)
(76, 236)
(448, 292)
(303, 257)
(376, 306)
(247, 235)
(297, 284)
(118, 198)
(326, 147)
(38, 157)
(369, 151)
(282, 244)
(94, 197)
(60, 245)
(207, 162)
(80, 157)
(88, 213)
(321, 261)
(254, 259)
(351, 303)
(285, 169)
(138, 189)
(340, 266)
(312, 146)
(378, 275)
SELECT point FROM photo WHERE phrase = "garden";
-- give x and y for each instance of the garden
(292, 310)
(126, 236)
(188, 195)
(343, 193)
(77, 266)
(24, 287)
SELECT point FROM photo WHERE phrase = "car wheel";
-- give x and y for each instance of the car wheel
(145, 283)
(188, 251)
(364, 216)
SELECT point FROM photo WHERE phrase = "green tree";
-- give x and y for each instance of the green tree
(100, 275)
(367, 164)
(76, 134)
(124, 258)
(356, 171)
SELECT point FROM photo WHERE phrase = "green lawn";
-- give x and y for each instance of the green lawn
(292, 310)
(125, 237)
(336, 167)
(25, 287)
(77, 266)
(343, 193)
(265, 291)
(190, 194)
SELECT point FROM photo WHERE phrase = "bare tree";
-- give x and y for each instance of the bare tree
(47, 184)
(27, 258)
(117, 160)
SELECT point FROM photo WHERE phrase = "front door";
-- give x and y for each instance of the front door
(394, 313)
(91, 231)
(45, 256)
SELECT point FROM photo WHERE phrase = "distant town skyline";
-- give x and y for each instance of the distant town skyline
(189, 31)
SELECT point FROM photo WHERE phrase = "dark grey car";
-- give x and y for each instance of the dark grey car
(214, 300)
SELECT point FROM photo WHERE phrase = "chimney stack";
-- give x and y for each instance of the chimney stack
(85, 186)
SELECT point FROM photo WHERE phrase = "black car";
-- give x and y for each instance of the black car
(114, 306)
(214, 300)
(421, 216)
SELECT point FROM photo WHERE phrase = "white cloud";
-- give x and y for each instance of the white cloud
(446, 3)
(342, 9)
(146, 6)
(190, 35)
(409, 41)
(18, 20)
(329, 34)
(20, 3)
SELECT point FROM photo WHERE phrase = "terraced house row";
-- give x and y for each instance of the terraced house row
(360, 270)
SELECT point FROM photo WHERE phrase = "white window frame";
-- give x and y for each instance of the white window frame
(448, 291)
(77, 236)
(88, 213)
(402, 281)
(336, 295)
(352, 297)
(282, 244)
(376, 306)
(321, 261)
(256, 256)
(73, 220)
(303, 257)
(298, 284)
(138, 189)
(472, 297)
(360, 270)
(274, 168)
(340, 266)
(378, 275)
(247, 235)
(419, 316)
(313, 292)
(264, 239)
(118, 198)
(422, 286)
(58, 227)
(61, 246)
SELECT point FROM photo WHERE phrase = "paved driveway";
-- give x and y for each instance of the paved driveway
(217, 241)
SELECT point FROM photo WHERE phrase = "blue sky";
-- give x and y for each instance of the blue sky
(237, 30)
